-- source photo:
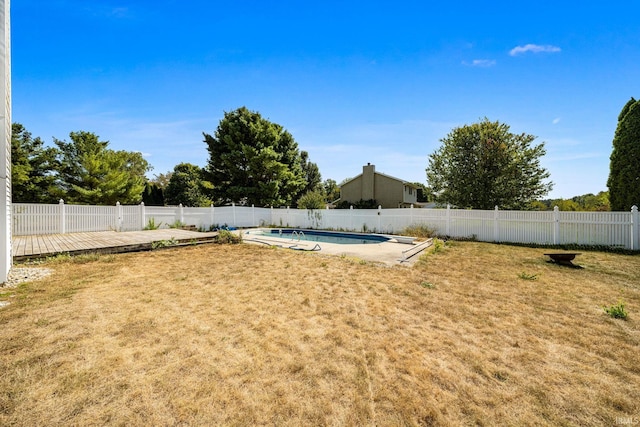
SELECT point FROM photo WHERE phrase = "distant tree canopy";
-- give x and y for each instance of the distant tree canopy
(624, 169)
(253, 161)
(33, 168)
(586, 202)
(187, 186)
(90, 173)
(331, 190)
(485, 165)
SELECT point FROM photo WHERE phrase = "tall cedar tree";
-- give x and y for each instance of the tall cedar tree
(253, 161)
(90, 173)
(624, 172)
(32, 168)
(484, 165)
(153, 194)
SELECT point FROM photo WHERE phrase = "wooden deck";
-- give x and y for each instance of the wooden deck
(25, 247)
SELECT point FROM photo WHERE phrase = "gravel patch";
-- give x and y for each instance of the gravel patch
(19, 275)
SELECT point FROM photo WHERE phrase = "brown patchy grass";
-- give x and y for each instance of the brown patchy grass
(248, 335)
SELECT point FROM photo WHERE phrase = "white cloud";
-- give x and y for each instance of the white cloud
(534, 48)
(484, 63)
(119, 12)
(556, 120)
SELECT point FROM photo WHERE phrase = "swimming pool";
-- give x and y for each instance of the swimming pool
(341, 238)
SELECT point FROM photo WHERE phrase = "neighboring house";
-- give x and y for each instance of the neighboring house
(387, 191)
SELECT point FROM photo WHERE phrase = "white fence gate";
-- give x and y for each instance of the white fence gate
(611, 229)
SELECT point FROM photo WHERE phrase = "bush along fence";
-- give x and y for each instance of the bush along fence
(608, 229)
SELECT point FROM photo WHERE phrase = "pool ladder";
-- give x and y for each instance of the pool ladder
(295, 233)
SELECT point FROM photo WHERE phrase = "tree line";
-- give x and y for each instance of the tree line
(253, 161)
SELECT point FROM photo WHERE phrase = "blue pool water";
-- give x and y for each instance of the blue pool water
(322, 236)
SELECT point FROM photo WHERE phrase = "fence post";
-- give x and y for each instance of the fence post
(288, 217)
(118, 217)
(448, 220)
(181, 212)
(635, 229)
(213, 214)
(271, 220)
(496, 228)
(411, 215)
(351, 217)
(143, 216)
(233, 207)
(62, 217)
(556, 225)
(253, 215)
(379, 219)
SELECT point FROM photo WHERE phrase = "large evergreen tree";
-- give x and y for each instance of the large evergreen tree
(32, 168)
(624, 172)
(187, 186)
(253, 161)
(153, 194)
(90, 173)
(485, 165)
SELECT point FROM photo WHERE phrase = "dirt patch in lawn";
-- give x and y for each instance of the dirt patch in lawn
(243, 335)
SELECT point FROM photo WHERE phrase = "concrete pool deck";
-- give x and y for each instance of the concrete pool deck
(388, 253)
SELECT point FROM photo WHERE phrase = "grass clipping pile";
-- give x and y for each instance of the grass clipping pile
(243, 335)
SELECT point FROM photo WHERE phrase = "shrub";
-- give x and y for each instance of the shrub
(438, 246)
(312, 200)
(422, 231)
(617, 311)
(151, 224)
(360, 204)
(164, 243)
(226, 236)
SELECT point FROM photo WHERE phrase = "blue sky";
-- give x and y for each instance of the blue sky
(353, 81)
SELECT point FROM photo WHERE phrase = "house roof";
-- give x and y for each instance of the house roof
(382, 174)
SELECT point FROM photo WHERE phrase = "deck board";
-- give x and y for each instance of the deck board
(25, 247)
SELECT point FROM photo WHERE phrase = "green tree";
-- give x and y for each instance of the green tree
(424, 193)
(32, 168)
(187, 186)
(311, 173)
(312, 200)
(161, 179)
(90, 173)
(593, 202)
(331, 190)
(253, 161)
(485, 165)
(153, 194)
(624, 169)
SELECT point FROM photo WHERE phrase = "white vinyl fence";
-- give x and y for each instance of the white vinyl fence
(611, 229)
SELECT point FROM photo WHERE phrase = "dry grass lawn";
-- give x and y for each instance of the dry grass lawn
(248, 335)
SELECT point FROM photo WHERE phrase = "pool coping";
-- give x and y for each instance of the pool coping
(390, 252)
